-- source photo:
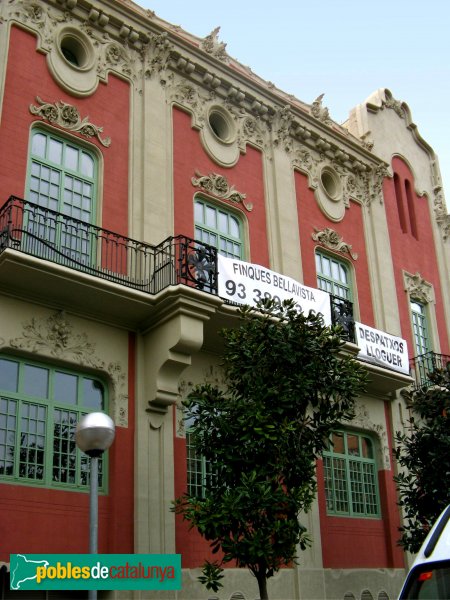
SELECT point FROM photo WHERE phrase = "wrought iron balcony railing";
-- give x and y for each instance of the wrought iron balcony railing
(424, 365)
(342, 314)
(64, 240)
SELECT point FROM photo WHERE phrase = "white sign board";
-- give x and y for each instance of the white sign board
(246, 283)
(382, 348)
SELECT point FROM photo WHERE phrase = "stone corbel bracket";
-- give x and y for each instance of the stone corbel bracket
(169, 344)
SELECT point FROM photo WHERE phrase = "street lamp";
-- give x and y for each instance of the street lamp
(93, 435)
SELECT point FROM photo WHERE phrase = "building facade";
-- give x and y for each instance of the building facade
(126, 141)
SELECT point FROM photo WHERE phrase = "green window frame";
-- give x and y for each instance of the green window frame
(62, 177)
(40, 406)
(197, 470)
(218, 227)
(333, 276)
(351, 476)
(420, 327)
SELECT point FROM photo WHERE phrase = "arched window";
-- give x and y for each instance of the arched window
(351, 481)
(62, 179)
(420, 327)
(333, 276)
(400, 203)
(40, 406)
(218, 227)
(411, 209)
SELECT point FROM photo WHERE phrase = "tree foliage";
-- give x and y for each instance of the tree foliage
(423, 452)
(287, 385)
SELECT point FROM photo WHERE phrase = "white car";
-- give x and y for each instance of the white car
(429, 577)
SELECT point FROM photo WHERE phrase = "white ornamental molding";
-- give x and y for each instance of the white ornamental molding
(418, 288)
(440, 211)
(212, 46)
(218, 186)
(320, 112)
(56, 337)
(333, 241)
(68, 117)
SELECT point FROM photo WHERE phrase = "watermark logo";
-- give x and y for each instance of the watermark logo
(95, 572)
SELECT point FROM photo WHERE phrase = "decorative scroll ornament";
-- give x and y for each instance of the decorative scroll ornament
(218, 185)
(332, 240)
(212, 46)
(67, 116)
(282, 123)
(441, 212)
(395, 105)
(319, 111)
(417, 288)
(55, 337)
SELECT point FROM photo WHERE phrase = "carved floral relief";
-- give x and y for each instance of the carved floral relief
(56, 337)
(68, 117)
(331, 239)
(219, 186)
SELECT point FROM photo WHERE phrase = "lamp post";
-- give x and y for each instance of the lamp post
(93, 435)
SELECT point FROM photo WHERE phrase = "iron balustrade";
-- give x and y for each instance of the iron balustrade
(342, 314)
(423, 365)
(64, 240)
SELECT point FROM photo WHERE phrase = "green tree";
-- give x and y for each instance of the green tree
(287, 385)
(423, 452)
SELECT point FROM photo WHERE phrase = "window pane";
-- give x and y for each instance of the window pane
(71, 159)
(8, 410)
(87, 165)
(234, 227)
(338, 443)
(64, 446)
(223, 222)
(65, 388)
(367, 448)
(92, 394)
(198, 212)
(9, 375)
(335, 271)
(353, 445)
(39, 144)
(32, 447)
(210, 217)
(55, 151)
(35, 381)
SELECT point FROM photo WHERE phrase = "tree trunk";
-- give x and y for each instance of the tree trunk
(262, 585)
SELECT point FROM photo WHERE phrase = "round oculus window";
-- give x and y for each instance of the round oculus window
(221, 125)
(330, 183)
(75, 51)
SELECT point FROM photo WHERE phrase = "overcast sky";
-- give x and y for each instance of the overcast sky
(346, 49)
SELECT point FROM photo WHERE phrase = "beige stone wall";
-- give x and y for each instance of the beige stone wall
(62, 338)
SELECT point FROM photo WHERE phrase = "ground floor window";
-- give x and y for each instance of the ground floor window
(40, 406)
(351, 482)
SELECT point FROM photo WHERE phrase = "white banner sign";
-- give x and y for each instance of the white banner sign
(246, 283)
(382, 348)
